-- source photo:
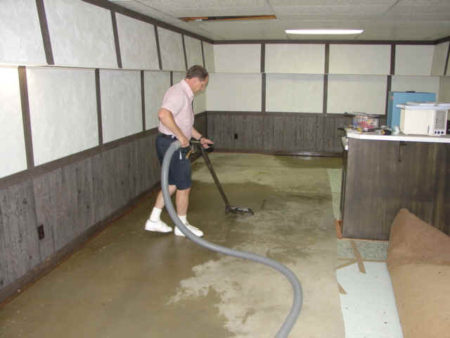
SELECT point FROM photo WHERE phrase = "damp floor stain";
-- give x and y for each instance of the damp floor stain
(128, 282)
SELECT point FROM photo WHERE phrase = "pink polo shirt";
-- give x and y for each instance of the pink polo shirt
(178, 100)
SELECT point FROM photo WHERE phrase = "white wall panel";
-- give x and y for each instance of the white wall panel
(294, 93)
(350, 93)
(234, 92)
(178, 76)
(172, 53)
(295, 58)
(12, 144)
(208, 49)
(413, 60)
(193, 51)
(360, 59)
(200, 103)
(137, 43)
(415, 83)
(20, 33)
(121, 103)
(444, 90)
(63, 111)
(439, 58)
(237, 58)
(81, 34)
(155, 86)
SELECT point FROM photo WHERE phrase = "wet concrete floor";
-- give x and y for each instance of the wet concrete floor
(126, 282)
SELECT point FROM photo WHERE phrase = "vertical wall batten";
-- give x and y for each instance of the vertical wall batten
(26, 116)
(388, 89)
(184, 52)
(263, 77)
(116, 38)
(392, 70)
(263, 58)
(45, 32)
(158, 48)
(325, 78)
(389, 77)
(203, 53)
(263, 94)
(446, 60)
(99, 106)
(143, 100)
(171, 78)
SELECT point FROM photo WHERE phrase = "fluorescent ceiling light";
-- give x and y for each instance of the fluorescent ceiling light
(323, 31)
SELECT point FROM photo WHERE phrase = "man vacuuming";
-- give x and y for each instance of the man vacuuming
(177, 123)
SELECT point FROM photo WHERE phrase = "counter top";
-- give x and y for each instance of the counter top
(400, 137)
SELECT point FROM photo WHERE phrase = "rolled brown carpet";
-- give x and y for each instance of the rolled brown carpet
(419, 265)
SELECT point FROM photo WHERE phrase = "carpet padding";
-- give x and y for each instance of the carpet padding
(419, 264)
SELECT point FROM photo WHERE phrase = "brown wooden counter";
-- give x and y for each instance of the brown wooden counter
(382, 176)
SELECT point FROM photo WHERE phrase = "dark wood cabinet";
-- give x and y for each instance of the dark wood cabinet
(380, 177)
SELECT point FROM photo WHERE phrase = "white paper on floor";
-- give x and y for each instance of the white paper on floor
(335, 179)
(368, 306)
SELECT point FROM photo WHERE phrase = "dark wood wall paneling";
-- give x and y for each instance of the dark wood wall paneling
(68, 201)
(445, 184)
(200, 123)
(395, 175)
(288, 133)
(19, 248)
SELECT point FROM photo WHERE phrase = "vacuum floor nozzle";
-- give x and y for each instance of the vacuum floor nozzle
(239, 210)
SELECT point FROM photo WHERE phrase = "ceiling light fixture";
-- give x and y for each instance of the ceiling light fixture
(324, 31)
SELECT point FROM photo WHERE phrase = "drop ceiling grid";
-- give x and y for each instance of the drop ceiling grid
(381, 19)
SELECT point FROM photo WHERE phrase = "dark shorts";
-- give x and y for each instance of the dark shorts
(180, 166)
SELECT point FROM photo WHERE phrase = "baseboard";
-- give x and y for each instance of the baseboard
(281, 153)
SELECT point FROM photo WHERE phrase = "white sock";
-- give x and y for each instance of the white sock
(155, 216)
(183, 219)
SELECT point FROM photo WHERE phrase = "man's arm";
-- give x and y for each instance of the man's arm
(203, 140)
(166, 118)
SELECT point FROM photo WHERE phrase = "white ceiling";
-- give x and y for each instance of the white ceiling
(380, 19)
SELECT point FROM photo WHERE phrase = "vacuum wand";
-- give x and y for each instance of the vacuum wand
(228, 207)
(294, 312)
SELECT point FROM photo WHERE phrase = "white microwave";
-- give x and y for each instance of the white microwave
(424, 120)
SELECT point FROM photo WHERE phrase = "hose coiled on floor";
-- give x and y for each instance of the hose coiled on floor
(296, 286)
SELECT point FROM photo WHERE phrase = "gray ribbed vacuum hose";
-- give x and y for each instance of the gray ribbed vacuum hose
(296, 286)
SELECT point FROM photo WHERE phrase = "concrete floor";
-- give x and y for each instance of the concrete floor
(130, 283)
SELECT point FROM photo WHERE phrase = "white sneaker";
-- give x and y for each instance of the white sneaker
(158, 226)
(196, 231)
